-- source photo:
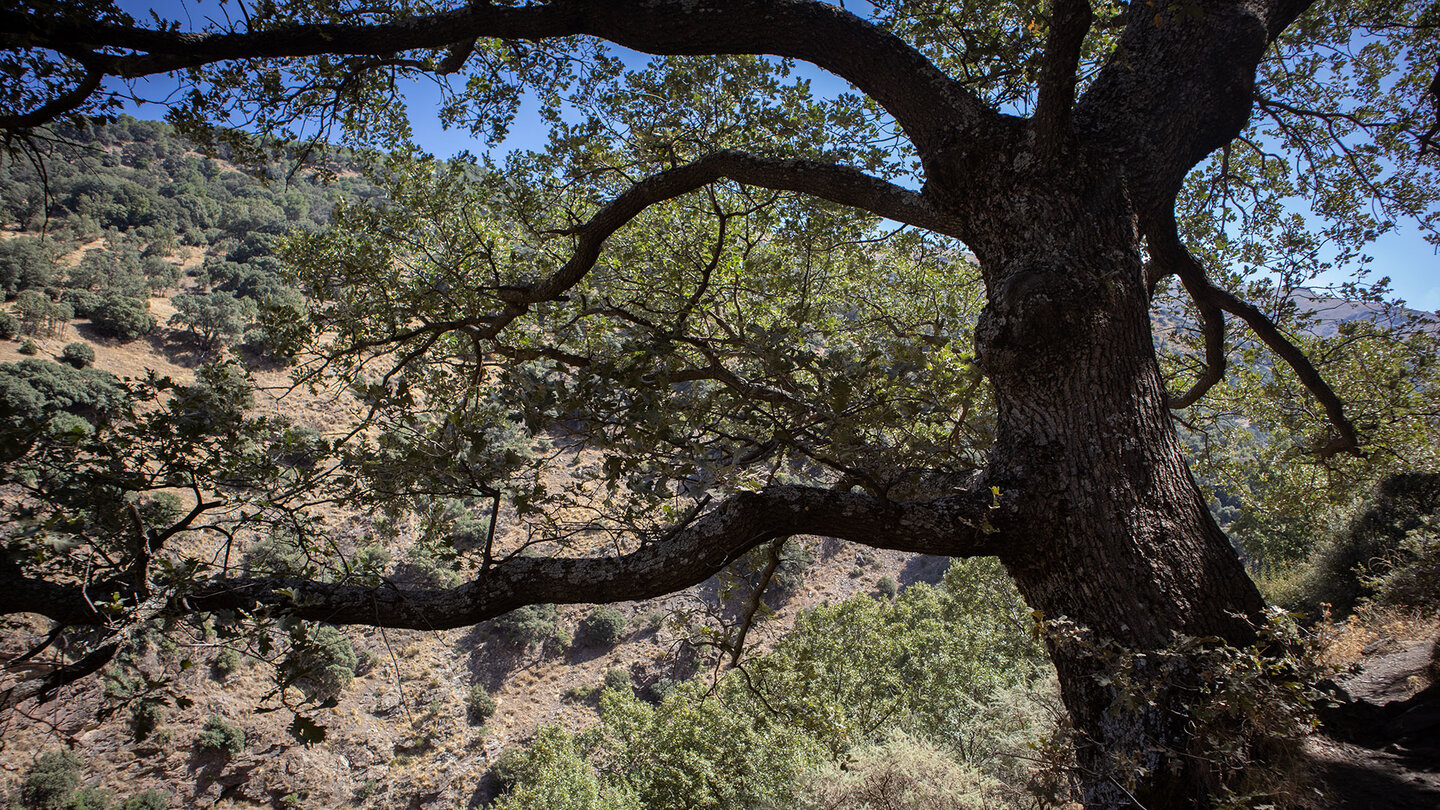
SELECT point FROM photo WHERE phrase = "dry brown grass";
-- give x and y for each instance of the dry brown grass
(1345, 642)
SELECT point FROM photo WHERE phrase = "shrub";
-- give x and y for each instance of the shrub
(39, 398)
(479, 706)
(216, 319)
(88, 799)
(227, 663)
(51, 780)
(321, 661)
(658, 691)
(602, 627)
(148, 800)
(78, 355)
(281, 554)
(553, 774)
(653, 620)
(432, 564)
(619, 680)
(1410, 576)
(82, 302)
(299, 447)
(902, 773)
(370, 563)
(9, 324)
(528, 625)
(887, 587)
(122, 317)
(29, 347)
(508, 767)
(220, 736)
(795, 559)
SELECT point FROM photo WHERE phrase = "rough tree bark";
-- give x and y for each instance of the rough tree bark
(1099, 519)
(1106, 526)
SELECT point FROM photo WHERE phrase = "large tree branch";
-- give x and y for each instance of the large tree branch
(840, 184)
(1279, 14)
(1069, 23)
(1177, 87)
(926, 102)
(66, 102)
(1167, 249)
(688, 554)
(1170, 257)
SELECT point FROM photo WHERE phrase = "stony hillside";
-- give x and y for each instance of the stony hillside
(400, 734)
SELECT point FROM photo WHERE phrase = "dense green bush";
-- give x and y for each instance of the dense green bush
(280, 554)
(796, 557)
(77, 355)
(9, 324)
(122, 317)
(299, 446)
(227, 662)
(215, 319)
(29, 347)
(554, 774)
(846, 675)
(88, 799)
(479, 705)
(433, 564)
(51, 780)
(147, 800)
(115, 270)
(528, 625)
(41, 315)
(43, 398)
(1411, 577)
(658, 691)
(619, 680)
(509, 767)
(160, 509)
(282, 325)
(321, 662)
(220, 736)
(887, 587)
(82, 302)
(898, 773)
(601, 627)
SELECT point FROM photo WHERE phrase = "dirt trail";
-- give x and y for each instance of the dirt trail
(1380, 749)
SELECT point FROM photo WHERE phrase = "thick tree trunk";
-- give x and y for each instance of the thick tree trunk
(1110, 530)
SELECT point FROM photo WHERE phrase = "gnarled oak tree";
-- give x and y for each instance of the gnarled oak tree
(691, 279)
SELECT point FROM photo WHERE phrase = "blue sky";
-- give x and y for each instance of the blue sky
(1411, 263)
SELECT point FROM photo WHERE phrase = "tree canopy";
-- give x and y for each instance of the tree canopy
(718, 308)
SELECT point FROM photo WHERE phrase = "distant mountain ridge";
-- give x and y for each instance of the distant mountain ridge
(1330, 312)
